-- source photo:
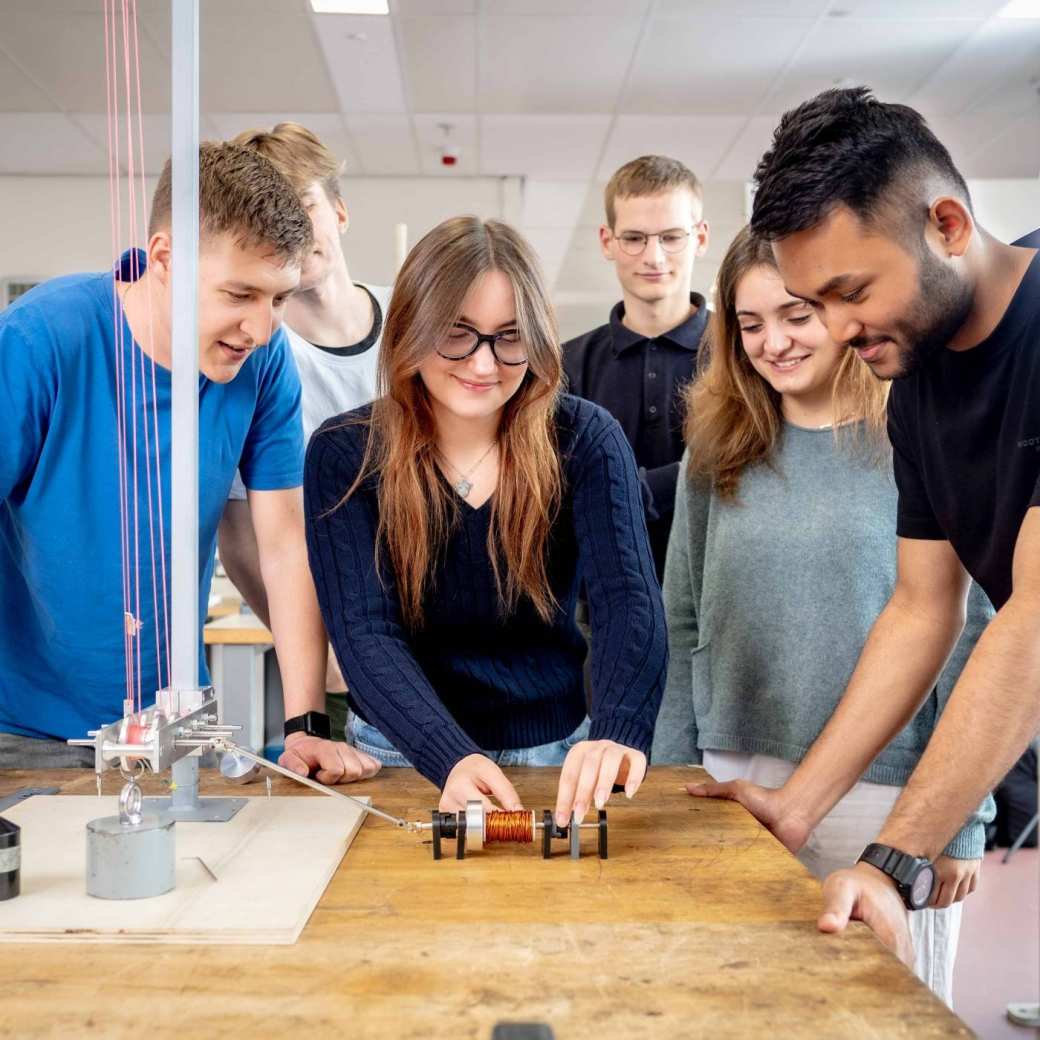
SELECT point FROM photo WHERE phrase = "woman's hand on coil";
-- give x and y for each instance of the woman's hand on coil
(590, 771)
(476, 777)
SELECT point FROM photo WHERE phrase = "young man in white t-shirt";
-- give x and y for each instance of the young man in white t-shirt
(333, 325)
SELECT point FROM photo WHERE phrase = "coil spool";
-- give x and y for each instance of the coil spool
(475, 828)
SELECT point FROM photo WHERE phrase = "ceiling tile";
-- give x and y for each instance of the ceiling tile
(65, 55)
(431, 137)
(48, 144)
(18, 93)
(385, 143)
(776, 9)
(599, 8)
(548, 146)
(407, 8)
(743, 154)
(361, 57)
(560, 65)
(998, 53)
(154, 127)
(440, 63)
(710, 65)
(553, 203)
(893, 57)
(698, 141)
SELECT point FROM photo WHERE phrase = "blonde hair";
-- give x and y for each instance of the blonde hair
(416, 509)
(649, 175)
(733, 416)
(298, 155)
(241, 193)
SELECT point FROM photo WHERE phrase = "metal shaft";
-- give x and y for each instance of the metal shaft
(226, 745)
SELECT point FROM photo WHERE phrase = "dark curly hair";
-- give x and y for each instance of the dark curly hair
(846, 148)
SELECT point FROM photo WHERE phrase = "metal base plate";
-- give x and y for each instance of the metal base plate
(1024, 1015)
(209, 810)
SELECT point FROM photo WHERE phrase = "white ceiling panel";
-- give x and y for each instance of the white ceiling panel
(155, 129)
(993, 55)
(892, 57)
(776, 9)
(710, 65)
(740, 160)
(407, 8)
(563, 65)
(618, 8)
(385, 144)
(698, 141)
(441, 58)
(65, 55)
(51, 144)
(548, 146)
(964, 134)
(18, 92)
(903, 9)
(329, 126)
(463, 136)
(551, 245)
(361, 57)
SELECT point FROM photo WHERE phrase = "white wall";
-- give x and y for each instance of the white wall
(60, 225)
(1008, 209)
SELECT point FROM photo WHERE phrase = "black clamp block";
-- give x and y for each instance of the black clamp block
(460, 839)
(444, 826)
(603, 834)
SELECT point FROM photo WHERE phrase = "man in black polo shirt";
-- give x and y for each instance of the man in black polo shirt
(872, 224)
(636, 365)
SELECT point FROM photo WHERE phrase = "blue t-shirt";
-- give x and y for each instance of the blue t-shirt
(63, 667)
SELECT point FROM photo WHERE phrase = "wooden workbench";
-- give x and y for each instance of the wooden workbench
(699, 925)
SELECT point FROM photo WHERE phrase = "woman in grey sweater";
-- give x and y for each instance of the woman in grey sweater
(782, 555)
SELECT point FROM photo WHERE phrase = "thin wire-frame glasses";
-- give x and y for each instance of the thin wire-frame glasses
(673, 240)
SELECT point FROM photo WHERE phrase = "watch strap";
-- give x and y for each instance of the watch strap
(313, 723)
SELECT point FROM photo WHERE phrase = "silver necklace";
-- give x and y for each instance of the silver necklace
(464, 485)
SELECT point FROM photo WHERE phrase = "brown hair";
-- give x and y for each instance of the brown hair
(240, 192)
(733, 416)
(416, 509)
(297, 154)
(649, 175)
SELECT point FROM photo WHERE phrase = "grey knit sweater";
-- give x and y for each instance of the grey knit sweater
(769, 601)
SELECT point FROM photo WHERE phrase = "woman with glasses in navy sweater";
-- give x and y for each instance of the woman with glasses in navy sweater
(450, 524)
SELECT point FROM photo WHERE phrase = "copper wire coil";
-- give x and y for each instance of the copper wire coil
(509, 826)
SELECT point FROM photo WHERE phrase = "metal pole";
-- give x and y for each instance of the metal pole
(184, 430)
(184, 448)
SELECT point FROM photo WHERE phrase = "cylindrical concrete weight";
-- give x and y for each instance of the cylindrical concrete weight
(10, 859)
(130, 862)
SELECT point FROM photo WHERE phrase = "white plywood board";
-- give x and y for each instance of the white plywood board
(271, 862)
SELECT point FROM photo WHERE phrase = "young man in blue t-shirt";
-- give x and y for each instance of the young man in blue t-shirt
(85, 393)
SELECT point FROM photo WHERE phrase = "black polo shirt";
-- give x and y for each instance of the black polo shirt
(965, 432)
(640, 381)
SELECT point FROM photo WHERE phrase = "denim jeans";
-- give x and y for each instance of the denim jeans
(365, 737)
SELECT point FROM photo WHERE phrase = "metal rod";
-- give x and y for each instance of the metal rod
(227, 745)
(184, 432)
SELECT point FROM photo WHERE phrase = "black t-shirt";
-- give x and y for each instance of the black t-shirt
(965, 432)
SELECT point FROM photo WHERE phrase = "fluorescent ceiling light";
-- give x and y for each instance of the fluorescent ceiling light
(1020, 9)
(350, 6)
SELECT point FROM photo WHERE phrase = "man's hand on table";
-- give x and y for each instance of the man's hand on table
(590, 772)
(863, 893)
(331, 761)
(766, 804)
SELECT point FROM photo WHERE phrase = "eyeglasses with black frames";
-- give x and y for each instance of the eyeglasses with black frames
(461, 341)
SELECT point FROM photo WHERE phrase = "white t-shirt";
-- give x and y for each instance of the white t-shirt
(333, 383)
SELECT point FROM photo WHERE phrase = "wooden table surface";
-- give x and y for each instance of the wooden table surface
(236, 629)
(699, 925)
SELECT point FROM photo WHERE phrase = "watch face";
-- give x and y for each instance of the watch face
(921, 890)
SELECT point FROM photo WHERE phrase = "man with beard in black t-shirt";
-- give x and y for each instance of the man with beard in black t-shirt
(872, 224)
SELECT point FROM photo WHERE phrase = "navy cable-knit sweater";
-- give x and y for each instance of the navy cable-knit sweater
(471, 679)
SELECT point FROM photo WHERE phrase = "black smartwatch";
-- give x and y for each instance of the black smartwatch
(914, 876)
(313, 723)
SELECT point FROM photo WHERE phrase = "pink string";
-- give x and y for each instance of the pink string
(112, 103)
(165, 622)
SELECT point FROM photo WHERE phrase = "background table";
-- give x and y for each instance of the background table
(699, 925)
